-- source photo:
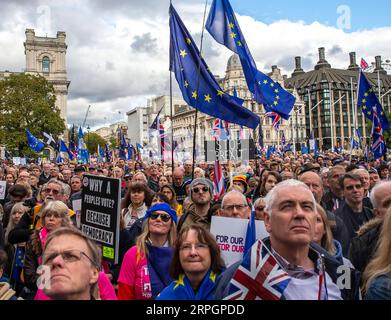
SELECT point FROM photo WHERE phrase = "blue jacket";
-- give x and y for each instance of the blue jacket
(379, 289)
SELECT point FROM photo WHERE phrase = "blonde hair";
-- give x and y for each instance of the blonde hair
(15, 208)
(57, 207)
(327, 239)
(142, 239)
(381, 262)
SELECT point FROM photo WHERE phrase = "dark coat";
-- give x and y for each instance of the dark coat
(362, 247)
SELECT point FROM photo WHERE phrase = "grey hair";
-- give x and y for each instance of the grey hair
(271, 197)
(55, 181)
(375, 189)
(360, 170)
(234, 192)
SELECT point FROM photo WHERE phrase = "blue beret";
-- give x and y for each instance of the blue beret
(162, 207)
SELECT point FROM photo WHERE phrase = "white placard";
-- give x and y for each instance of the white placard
(16, 160)
(230, 234)
(23, 161)
(76, 205)
(2, 189)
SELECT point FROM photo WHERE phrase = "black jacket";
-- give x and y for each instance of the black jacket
(328, 201)
(338, 228)
(363, 247)
(331, 264)
(353, 221)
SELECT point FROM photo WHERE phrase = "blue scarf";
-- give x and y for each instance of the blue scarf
(159, 260)
(181, 289)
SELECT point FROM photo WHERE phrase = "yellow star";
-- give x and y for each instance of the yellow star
(366, 94)
(381, 113)
(265, 81)
(220, 93)
(364, 107)
(239, 44)
(231, 25)
(180, 281)
(364, 101)
(369, 113)
(194, 94)
(183, 53)
(212, 276)
(207, 98)
(275, 103)
(278, 97)
(233, 35)
(188, 40)
(186, 84)
(272, 85)
(276, 91)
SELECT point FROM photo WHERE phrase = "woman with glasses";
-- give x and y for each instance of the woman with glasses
(53, 216)
(195, 266)
(145, 268)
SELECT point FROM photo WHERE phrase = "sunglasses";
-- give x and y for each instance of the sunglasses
(197, 190)
(163, 217)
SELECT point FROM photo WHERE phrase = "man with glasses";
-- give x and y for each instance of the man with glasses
(353, 213)
(201, 193)
(234, 205)
(73, 261)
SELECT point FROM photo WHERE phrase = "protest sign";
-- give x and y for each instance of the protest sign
(100, 210)
(3, 185)
(233, 150)
(230, 234)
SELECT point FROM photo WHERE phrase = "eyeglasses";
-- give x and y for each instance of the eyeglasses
(197, 190)
(163, 217)
(54, 191)
(68, 256)
(187, 247)
(238, 207)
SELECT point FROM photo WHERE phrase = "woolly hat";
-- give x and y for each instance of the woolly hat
(243, 180)
(162, 207)
(204, 181)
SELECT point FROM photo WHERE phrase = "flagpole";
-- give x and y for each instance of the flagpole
(172, 124)
(354, 117)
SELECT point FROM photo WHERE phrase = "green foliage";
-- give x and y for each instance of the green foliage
(27, 101)
(114, 143)
(92, 141)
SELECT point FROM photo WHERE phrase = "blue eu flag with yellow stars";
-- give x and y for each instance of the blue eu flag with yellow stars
(199, 88)
(224, 28)
(368, 102)
(33, 142)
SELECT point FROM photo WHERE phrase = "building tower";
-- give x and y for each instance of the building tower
(46, 57)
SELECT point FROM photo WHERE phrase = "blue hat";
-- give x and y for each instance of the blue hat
(162, 207)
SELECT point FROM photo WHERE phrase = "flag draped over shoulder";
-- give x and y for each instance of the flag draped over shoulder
(199, 88)
(369, 103)
(181, 289)
(33, 142)
(225, 29)
(259, 277)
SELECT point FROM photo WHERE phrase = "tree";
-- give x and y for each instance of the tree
(114, 143)
(27, 101)
(92, 141)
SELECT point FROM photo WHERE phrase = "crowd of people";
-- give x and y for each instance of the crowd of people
(322, 214)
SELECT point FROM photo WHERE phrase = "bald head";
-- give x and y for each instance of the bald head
(314, 182)
(381, 198)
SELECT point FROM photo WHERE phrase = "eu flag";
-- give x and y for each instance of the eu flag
(368, 102)
(224, 28)
(33, 142)
(83, 151)
(122, 145)
(199, 88)
(64, 148)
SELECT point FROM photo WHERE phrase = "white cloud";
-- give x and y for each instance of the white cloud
(110, 74)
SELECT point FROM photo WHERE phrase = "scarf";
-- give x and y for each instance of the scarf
(181, 289)
(159, 260)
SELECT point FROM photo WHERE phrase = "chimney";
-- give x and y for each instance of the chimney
(353, 62)
(298, 69)
(274, 68)
(322, 63)
(379, 67)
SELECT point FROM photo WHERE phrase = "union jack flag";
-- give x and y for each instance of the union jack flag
(259, 277)
(378, 144)
(219, 130)
(364, 65)
(218, 181)
(276, 118)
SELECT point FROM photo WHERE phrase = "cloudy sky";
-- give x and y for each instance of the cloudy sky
(118, 50)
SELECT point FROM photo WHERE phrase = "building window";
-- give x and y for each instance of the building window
(45, 65)
(268, 134)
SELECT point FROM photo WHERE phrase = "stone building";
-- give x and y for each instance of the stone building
(330, 97)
